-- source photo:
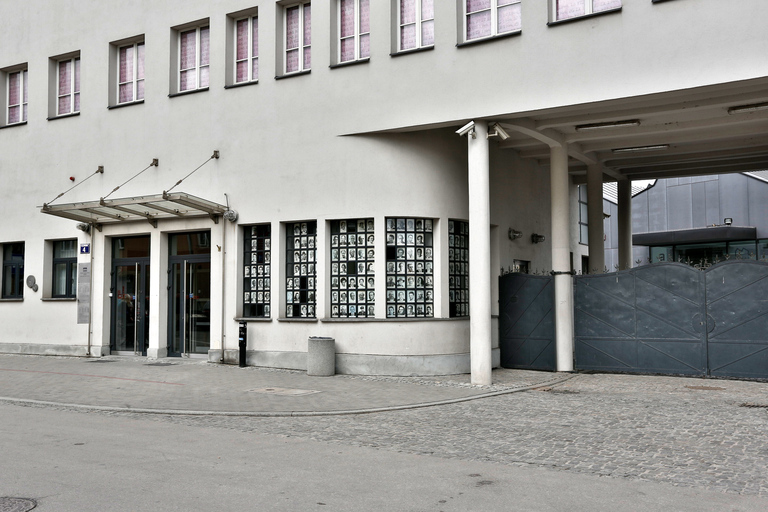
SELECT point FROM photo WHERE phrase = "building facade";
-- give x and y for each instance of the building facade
(353, 169)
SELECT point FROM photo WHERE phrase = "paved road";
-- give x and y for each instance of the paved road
(682, 437)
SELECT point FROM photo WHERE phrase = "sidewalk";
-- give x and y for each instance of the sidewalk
(183, 386)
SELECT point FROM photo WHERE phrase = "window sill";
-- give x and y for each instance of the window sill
(59, 299)
(489, 39)
(22, 123)
(127, 104)
(185, 93)
(305, 320)
(586, 16)
(392, 320)
(291, 75)
(350, 63)
(412, 50)
(251, 319)
(241, 84)
(64, 116)
(13, 299)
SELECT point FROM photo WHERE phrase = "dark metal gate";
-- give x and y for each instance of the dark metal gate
(664, 318)
(526, 322)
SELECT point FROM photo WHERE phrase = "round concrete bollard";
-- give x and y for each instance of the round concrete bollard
(321, 357)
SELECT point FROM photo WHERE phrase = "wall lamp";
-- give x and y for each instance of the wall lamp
(536, 239)
(82, 226)
(613, 124)
(514, 234)
(745, 109)
(727, 221)
(655, 147)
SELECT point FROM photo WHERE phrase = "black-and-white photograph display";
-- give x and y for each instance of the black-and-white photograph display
(257, 263)
(458, 268)
(300, 285)
(352, 268)
(410, 280)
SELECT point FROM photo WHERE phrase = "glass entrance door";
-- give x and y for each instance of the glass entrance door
(129, 292)
(189, 317)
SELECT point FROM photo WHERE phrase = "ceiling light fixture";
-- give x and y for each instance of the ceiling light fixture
(745, 109)
(612, 124)
(657, 147)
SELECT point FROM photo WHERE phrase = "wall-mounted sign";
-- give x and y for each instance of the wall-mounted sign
(85, 248)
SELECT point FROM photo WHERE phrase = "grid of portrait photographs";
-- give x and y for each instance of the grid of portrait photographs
(256, 271)
(352, 274)
(458, 268)
(410, 282)
(300, 270)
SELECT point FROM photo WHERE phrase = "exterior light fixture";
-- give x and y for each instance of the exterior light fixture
(612, 124)
(745, 109)
(84, 227)
(536, 239)
(230, 215)
(497, 131)
(656, 147)
(727, 221)
(514, 234)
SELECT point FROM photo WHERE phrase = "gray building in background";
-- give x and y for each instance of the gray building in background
(690, 219)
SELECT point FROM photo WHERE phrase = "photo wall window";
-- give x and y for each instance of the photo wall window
(257, 263)
(458, 268)
(410, 281)
(352, 268)
(300, 286)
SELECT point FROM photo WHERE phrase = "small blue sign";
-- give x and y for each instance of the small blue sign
(85, 248)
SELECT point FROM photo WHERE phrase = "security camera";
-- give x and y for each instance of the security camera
(84, 227)
(497, 131)
(468, 128)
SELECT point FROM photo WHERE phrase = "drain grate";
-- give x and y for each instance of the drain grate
(753, 405)
(705, 388)
(559, 391)
(98, 361)
(160, 364)
(283, 391)
(16, 504)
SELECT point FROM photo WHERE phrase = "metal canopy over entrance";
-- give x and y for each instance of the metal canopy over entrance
(175, 205)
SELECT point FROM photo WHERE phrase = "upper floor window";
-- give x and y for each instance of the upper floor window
(298, 38)
(416, 24)
(247, 49)
(68, 89)
(17, 97)
(566, 9)
(13, 270)
(488, 18)
(130, 80)
(64, 269)
(354, 30)
(194, 58)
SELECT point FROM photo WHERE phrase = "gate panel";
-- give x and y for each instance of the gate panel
(526, 322)
(737, 308)
(644, 320)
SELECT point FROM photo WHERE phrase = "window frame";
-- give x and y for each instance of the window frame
(198, 57)
(356, 32)
(418, 22)
(589, 10)
(18, 275)
(301, 42)
(494, 10)
(134, 72)
(250, 59)
(70, 262)
(583, 219)
(23, 96)
(458, 268)
(257, 264)
(351, 239)
(298, 233)
(402, 267)
(74, 86)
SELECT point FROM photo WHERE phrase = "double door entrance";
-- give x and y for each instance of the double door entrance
(188, 285)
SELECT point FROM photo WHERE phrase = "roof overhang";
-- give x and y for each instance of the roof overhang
(695, 236)
(175, 205)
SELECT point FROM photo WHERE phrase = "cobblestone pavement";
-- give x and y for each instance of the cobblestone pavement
(681, 431)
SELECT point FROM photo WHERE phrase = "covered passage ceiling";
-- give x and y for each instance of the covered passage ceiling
(708, 130)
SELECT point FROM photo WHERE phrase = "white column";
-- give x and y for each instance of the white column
(625, 224)
(561, 260)
(595, 219)
(480, 334)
